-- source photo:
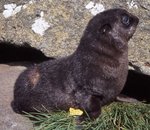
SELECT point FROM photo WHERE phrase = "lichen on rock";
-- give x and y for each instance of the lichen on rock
(58, 32)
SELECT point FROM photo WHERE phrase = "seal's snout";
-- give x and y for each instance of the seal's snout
(136, 19)
(134, 22)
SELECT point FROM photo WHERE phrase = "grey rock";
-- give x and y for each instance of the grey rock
(9, 120)
(66, 21)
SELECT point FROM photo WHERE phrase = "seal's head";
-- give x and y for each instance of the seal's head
(113, 27)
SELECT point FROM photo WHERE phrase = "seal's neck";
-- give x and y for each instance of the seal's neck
(98, 51)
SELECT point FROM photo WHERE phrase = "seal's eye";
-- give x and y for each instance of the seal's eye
(125, 20)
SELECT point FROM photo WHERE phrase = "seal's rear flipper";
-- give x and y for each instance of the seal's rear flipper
(124, 98)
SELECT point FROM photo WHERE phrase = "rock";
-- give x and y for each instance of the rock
(55, 26)
(9, 120)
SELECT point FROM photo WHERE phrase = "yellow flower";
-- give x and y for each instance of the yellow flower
(75, 112)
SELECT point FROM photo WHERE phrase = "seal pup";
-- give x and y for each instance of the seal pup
(88, 79)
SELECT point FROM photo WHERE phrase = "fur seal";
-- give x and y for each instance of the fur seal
(88, 79)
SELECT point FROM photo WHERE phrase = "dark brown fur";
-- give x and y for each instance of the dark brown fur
(89, 78)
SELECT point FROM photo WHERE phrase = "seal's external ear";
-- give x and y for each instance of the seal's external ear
(105, 28)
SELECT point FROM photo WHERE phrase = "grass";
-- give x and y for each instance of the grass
(117, 116)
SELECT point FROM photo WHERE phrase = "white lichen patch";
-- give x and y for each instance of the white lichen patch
(90, 5)
(94, 8)
(24, 6)
(11, 10)
(132, 4)
(32, 1)
(40, 25)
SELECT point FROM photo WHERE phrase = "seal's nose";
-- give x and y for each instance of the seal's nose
(136, 19)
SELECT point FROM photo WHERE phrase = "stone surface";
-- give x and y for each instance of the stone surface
(61, 24)
(8, 119)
